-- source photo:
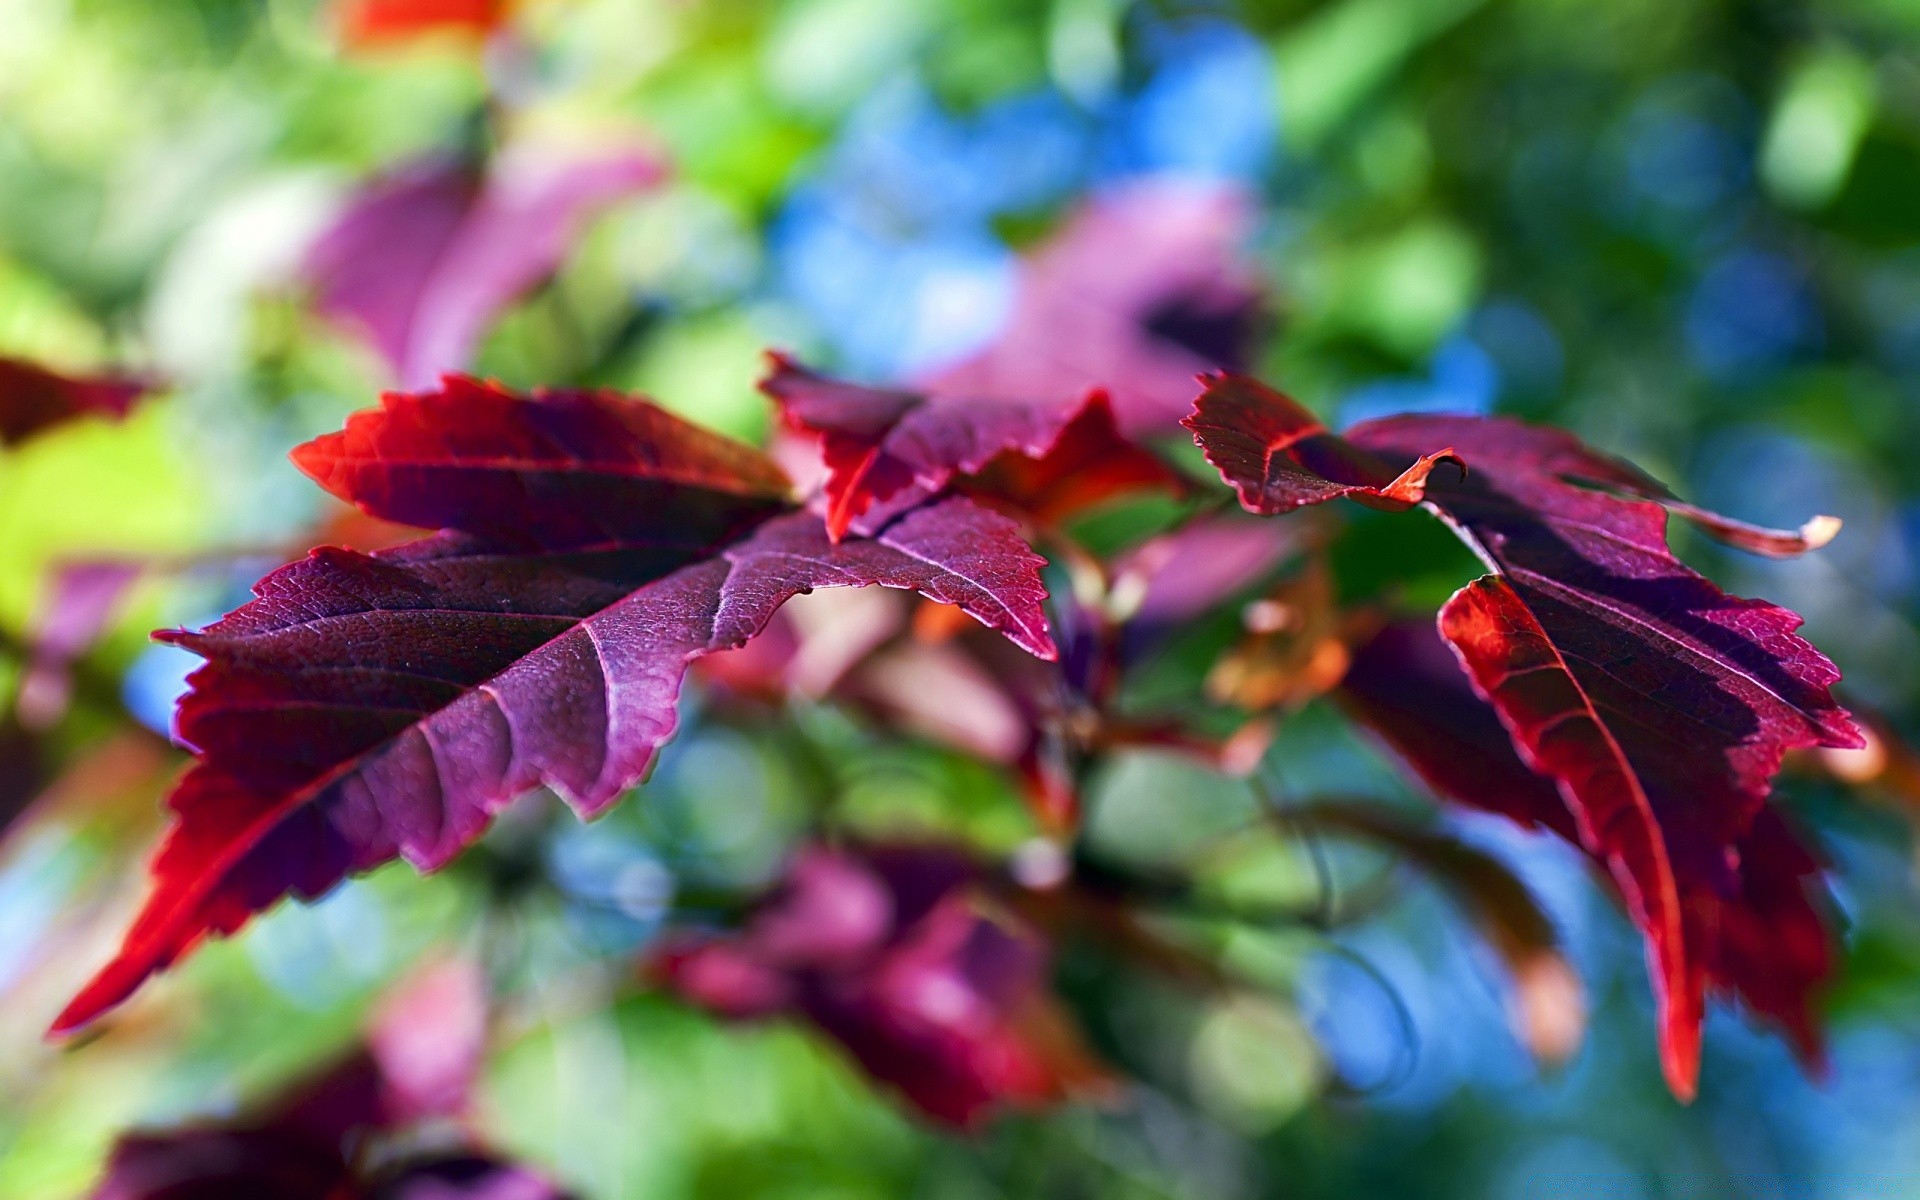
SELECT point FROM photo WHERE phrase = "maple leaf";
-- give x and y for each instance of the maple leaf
(893, 952)
(34, 399)
(1764, 939)
(370, 706)
(423, 259)
(1139, 291)
(1661, 706)
(1045, 459)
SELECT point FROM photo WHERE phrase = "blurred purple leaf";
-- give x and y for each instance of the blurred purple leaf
(1140, 291)
(424, 260)
(891, 952)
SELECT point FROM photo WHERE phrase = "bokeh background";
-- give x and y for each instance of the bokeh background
(1688, 230)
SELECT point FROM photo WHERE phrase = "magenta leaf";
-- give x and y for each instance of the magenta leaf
(365, 707)
(891, 952)
(424, 259)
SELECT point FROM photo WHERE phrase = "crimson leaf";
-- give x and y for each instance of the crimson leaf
(1659, 705)
(1046, 458)
(1764, 940)
(370, 706)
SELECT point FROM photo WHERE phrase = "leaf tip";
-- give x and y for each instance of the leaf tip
(1820, 531)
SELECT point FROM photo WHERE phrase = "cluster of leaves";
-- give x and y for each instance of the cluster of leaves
(589, 546)
(571, 554)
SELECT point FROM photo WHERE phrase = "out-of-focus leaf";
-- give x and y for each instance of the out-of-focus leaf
(344, 1134)
(424, 259)
(895, 953)
(81, 600)
(374, 22)
(464, 1177)
(1548, 1009)
(34, 399)
(1660, 705)
(368, 707)
(1140, 291)
(1296, 648)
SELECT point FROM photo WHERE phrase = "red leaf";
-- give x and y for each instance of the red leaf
(1661, 706)
(893, 953)
(1761, 936)
(424, 259)
(1138, 292)
(371, 706)
(1047, 459)
(34, 399)
(368, 22)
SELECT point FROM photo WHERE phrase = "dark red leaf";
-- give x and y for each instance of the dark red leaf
(1047, 458)
(225, 1164)
(34, 399)
(1661, 706)
(371, 706)
(1760, 934)
(424, 259)
(1142, 289)
(464, 1177)
(893, 953)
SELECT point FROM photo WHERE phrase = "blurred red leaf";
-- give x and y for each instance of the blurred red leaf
(370, 22)
(371, 706)
(424, 259)
(1046, 458)
(895, 953)
(1142, 289)
(34, 399)
(1661, 706)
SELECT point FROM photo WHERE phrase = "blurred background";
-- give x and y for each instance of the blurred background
(1687, 230)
